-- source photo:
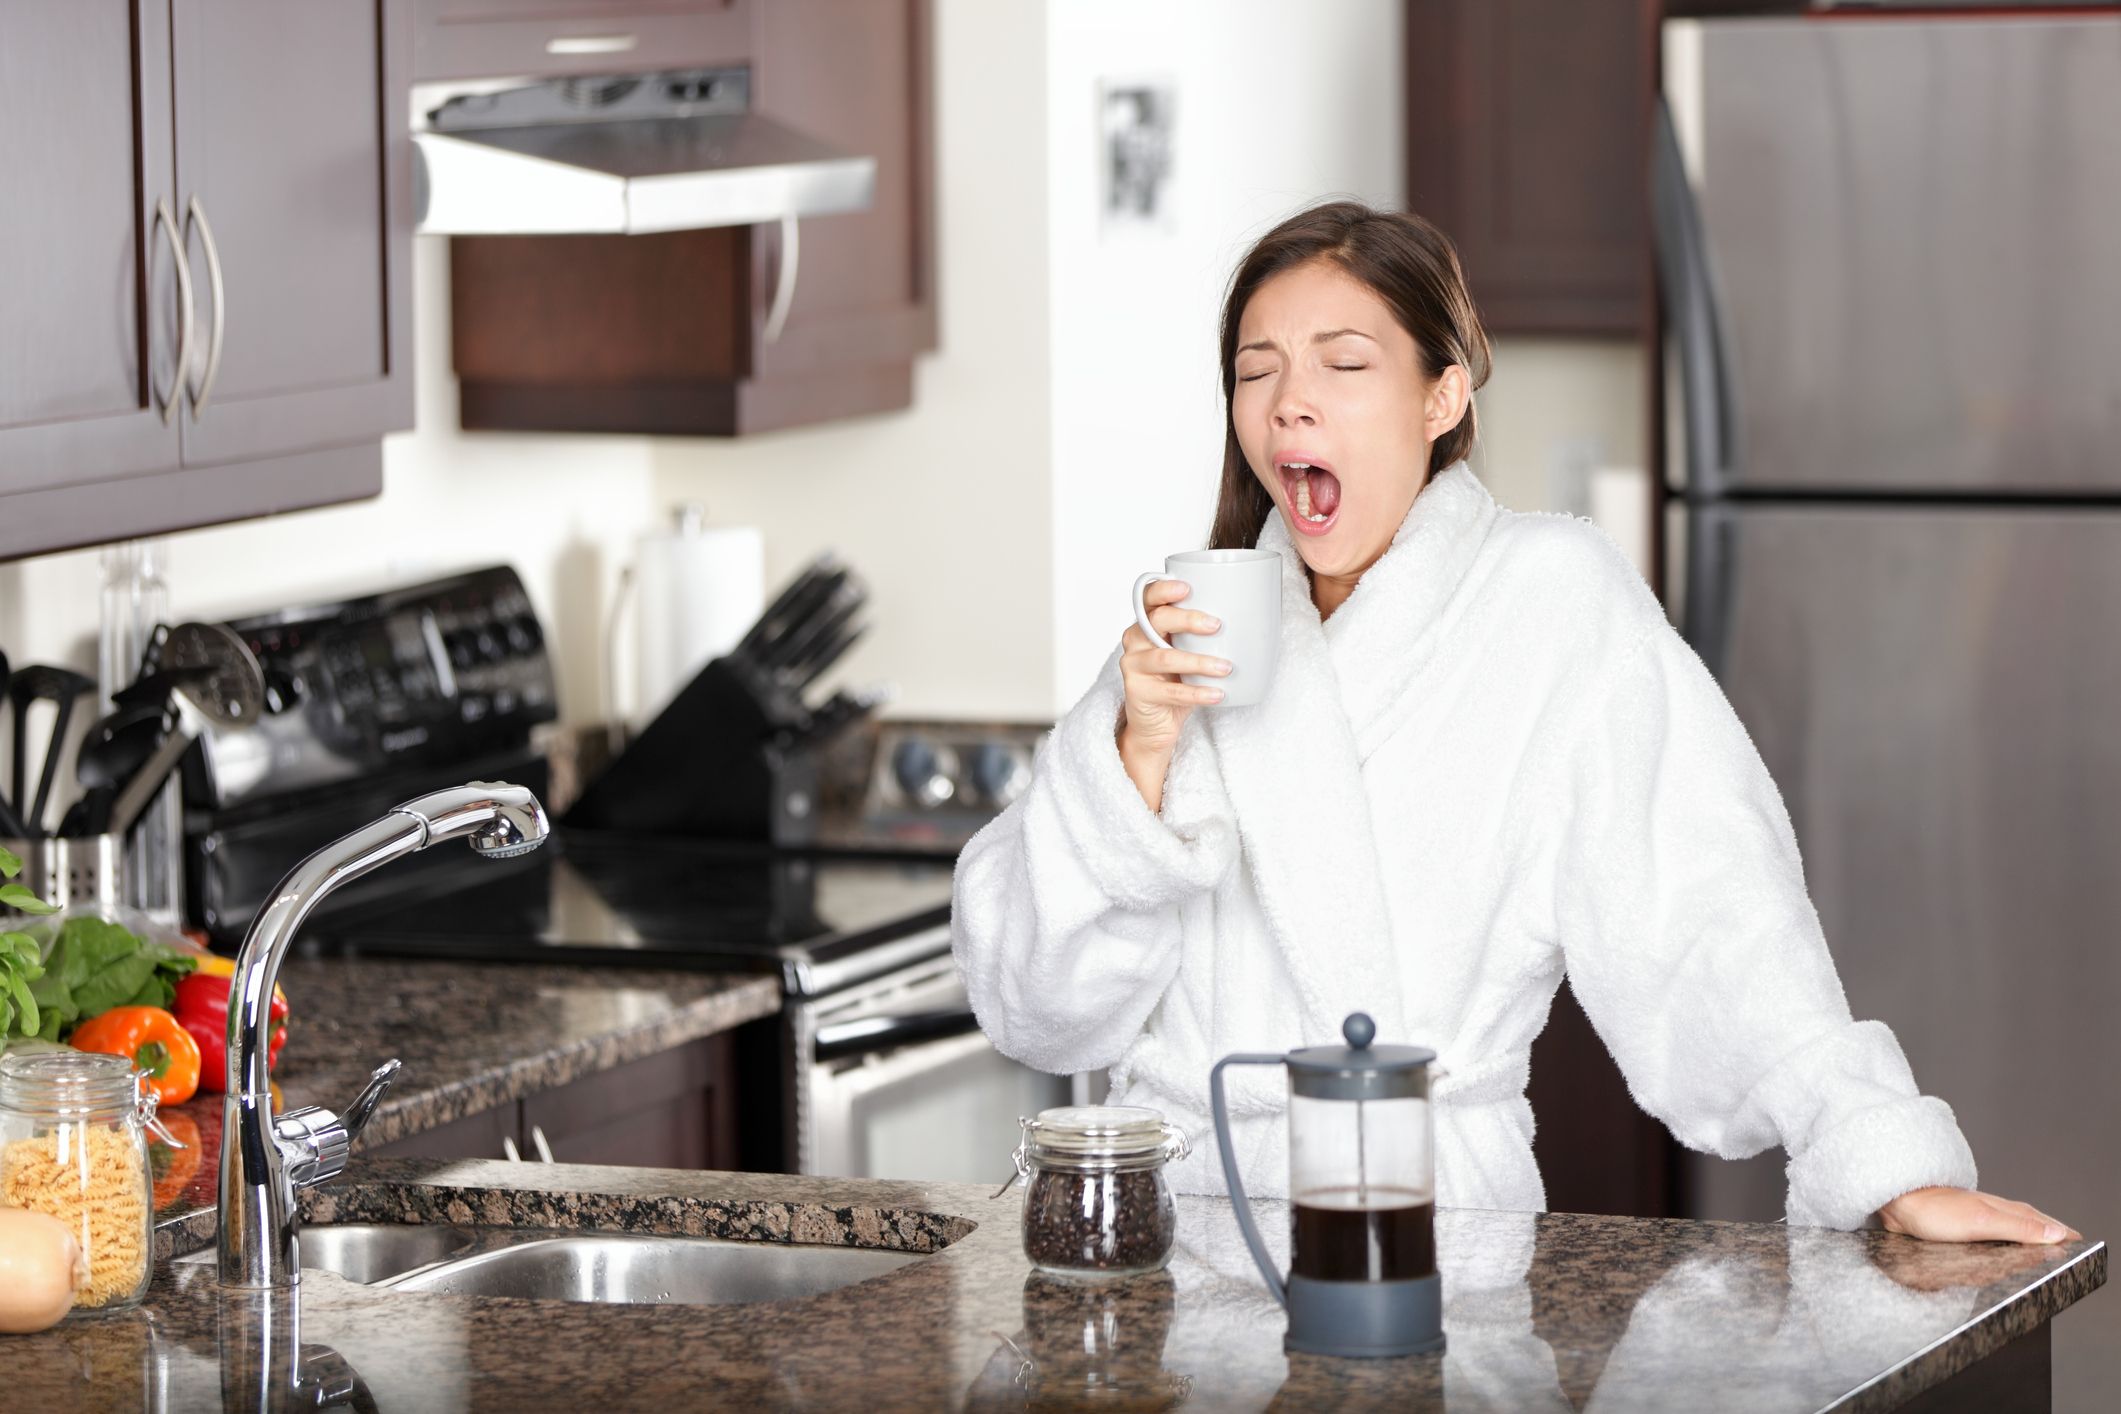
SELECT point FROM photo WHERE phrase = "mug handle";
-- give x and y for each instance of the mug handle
(1238, 1201)
(1141, 612)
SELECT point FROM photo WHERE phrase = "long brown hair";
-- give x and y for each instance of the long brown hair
(1406, 262)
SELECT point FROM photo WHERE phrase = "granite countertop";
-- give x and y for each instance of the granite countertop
(1541, 1312)
(471, 1036)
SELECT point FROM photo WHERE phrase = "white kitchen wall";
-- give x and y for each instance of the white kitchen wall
(941, 508)
(1270, 116)
(562, 510)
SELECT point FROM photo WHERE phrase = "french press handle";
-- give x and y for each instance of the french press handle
(1243, 1205)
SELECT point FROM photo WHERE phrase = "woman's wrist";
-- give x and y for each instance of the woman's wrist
(1145, 766)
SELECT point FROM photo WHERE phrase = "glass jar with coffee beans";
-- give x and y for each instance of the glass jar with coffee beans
(1096, 1202)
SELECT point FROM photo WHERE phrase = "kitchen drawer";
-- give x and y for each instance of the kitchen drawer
(476, 1136)
(671, 1110)
(461, 39)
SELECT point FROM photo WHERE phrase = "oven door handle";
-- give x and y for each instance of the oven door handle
(883, 1033)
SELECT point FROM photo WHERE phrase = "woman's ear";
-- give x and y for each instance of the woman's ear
(1445, 406)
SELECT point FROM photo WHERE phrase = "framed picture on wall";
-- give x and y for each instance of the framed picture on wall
(1136, 130)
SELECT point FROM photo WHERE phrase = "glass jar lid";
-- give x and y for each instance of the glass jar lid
(73, 1085)
(1102, 1137)
(1097, 1132)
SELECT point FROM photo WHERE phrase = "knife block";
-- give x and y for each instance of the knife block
(720, 762)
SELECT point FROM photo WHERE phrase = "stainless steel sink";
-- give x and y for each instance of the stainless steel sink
(631, 1268)
(639, 1269)
(372, 1252)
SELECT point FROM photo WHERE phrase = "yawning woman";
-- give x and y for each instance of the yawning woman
(1486, 761)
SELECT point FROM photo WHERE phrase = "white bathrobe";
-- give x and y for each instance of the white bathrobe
(1494, 765)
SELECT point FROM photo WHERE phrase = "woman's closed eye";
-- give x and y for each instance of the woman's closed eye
(1336, 367)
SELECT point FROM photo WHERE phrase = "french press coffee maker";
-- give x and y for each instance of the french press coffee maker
(1362, 1197)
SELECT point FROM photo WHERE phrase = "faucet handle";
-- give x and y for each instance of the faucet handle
(364, 1104)
(314, 1142)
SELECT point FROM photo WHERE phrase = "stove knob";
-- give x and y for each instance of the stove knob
(918, 769)
(284, 690)
(998, 774)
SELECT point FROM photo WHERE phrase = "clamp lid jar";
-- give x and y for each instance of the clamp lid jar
(1097, 1204)
(73, 1145)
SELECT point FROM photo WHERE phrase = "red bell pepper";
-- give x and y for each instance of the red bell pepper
(202, 1008)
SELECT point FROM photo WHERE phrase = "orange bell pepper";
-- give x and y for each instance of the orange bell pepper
(150, 1038)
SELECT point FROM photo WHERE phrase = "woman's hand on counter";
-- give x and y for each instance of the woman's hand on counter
(1964, 1215)
(1157, 701)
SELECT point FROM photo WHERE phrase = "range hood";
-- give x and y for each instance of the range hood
(622, 154)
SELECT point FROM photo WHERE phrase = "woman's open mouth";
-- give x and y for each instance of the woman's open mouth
(1313, 493)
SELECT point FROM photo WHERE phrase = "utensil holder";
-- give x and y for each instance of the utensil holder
(82, 870)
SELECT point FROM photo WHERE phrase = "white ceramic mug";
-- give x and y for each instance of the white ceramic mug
(1243, 589)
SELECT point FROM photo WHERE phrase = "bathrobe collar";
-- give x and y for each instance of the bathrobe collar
(1293, 764)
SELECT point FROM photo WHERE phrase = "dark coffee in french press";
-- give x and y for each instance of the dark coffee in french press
(1339, 1234)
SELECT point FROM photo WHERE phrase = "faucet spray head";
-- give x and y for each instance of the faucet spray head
(498, 821)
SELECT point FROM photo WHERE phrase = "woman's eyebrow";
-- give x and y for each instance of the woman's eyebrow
(1328, 335)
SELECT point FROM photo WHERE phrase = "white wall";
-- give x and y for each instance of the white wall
(561, 509)
(942, 508)
(1271, 115)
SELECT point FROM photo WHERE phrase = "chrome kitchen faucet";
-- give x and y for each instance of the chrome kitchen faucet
(264, 1159)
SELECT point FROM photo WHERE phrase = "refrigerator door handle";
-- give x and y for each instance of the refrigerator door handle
(1711, 564)
(1690, 313)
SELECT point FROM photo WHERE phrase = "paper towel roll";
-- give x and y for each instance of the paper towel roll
(697, 589)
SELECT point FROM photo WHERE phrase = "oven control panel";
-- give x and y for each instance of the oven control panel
(433, 673)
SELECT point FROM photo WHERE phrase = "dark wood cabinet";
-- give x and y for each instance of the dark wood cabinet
(206, 265)
(461, 39)
(1528, 143)
(668, 333)
(675, 1109)
(88, 285)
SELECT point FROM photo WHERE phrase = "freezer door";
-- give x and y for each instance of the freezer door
(1936, 692)
(1908, 230)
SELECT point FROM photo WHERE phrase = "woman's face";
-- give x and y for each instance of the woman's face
(1328, 379)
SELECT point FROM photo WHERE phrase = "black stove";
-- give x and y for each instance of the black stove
(816, 921)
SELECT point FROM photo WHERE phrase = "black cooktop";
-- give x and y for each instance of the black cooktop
(816, 920)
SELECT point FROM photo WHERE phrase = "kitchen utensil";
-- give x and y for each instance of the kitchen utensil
(826, 655)
(1362, 1186)
(1243, 589)
(35, 683)
(117, 745)
(776, 614)
(11, 825)
(213, 680)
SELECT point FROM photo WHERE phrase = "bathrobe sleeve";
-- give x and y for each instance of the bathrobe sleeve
(1693, 945)
(1065, 909)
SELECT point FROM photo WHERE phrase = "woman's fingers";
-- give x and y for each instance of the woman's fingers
(1165, 591)
(1172, 661)
(1174, 620)
(1964, 1215)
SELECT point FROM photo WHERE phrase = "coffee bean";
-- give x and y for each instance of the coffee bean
(1110, 1223)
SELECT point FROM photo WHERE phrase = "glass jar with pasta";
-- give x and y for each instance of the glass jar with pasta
(73, 1144)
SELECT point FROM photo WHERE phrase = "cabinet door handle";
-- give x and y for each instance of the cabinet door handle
(537, 1140)
(508, 1149)
(784, 280)
(182, 371)
(199, 395)
(592, 43)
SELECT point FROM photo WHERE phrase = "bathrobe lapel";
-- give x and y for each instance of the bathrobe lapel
(1293, 764)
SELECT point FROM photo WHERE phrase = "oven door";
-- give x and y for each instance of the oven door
(903, 1084)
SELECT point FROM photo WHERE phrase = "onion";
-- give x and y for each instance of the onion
(40, 1266)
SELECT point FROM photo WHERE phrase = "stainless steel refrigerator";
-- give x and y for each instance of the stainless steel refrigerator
(1889, 253)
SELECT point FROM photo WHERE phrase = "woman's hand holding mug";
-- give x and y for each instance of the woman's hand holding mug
(1158, 702)
(1165, 672)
